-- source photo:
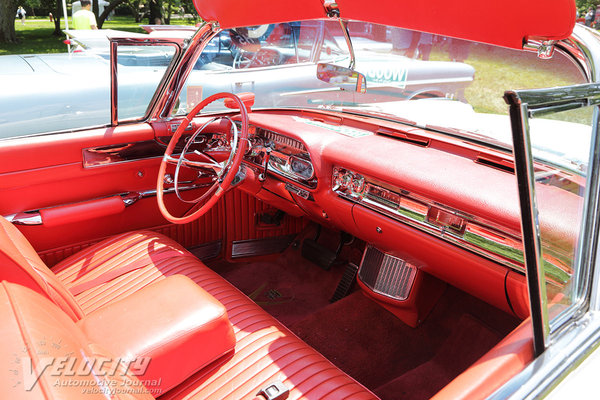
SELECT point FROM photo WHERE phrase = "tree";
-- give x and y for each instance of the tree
(138, 9)
(156, 12)
(107, 10)
(30, 6)
(8, 10)
(58, 10)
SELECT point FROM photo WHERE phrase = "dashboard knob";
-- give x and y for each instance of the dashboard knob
(358, 185)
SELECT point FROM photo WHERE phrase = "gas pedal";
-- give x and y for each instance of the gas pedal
(345, 285)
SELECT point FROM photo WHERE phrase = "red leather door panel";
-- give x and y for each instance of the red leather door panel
(47, 171)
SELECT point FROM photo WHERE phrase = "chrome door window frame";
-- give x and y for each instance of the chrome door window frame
(524, 104)
(575, 333)
(114, 45)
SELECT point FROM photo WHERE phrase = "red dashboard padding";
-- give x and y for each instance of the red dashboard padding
(78, 212)
(172, 321)
(43, 355)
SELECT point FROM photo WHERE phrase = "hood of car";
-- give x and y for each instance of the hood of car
(506, 23)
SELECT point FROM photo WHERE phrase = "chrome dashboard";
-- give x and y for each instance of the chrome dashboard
(462, 229)
(281, 155)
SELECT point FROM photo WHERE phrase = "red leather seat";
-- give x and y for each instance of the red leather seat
(265, 350)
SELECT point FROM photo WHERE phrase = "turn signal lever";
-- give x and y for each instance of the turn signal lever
(263, 175)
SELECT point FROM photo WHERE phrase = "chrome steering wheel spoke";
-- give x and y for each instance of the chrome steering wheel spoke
(213, 165)
(219, 168)
(207, 161)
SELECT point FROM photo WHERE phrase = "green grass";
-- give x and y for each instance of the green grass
(498, 69)
(35, 37)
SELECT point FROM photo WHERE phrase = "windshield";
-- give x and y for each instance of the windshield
(432, 81)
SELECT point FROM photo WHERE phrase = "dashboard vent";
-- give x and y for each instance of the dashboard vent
(282, 140)
(386, 274)
(411, 138)
(496, 162)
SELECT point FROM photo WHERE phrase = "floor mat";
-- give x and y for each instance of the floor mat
(289, 288)
(375, 348)
(468, 342)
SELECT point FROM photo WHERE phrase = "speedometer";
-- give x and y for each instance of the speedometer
(301, 167)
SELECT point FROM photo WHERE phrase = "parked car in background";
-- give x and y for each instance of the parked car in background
(78, 83)
(285, 203)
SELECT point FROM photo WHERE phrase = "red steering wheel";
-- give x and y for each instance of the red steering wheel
(225, 171)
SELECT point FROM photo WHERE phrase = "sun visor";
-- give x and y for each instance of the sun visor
(506, 23)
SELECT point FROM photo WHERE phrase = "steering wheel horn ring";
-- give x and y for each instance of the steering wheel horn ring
(225, 171)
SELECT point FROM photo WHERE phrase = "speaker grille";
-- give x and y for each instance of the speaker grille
(386, 274)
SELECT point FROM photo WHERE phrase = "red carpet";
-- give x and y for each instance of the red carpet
(396, 361)
(290, 288)
(364, 339)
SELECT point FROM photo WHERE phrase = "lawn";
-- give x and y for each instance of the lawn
(499, 69)
(36, 35)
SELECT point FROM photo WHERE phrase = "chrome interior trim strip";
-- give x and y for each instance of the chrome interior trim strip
(33, 217)
(25, 218)
(472, 233)
(257, 247)
(126, 152)
(121, 153)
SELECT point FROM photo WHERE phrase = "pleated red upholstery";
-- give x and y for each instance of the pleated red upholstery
(265, 351)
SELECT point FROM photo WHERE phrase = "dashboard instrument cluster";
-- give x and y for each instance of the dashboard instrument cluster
(281, 155)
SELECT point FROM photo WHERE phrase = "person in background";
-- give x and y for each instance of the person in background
(51, 17)
(21, 14)
(590, 16)
(84, 18)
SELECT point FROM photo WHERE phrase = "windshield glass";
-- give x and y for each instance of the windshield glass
(442, 83)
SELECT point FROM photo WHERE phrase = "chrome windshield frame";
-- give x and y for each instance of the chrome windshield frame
(166, 95)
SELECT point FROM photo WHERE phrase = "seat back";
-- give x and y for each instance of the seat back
(49, 357)
(20, 263)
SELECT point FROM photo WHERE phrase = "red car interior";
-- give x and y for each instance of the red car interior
(338, 256)
(109, 278)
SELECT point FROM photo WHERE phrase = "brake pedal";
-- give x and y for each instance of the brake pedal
(321, 255)
(345, 285)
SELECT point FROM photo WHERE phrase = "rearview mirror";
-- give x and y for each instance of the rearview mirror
(342, 77)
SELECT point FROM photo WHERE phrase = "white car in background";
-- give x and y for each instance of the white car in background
(79, 83)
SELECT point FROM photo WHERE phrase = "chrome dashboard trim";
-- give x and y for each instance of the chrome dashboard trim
(281, 164)
(469, 232)
(282, 151)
